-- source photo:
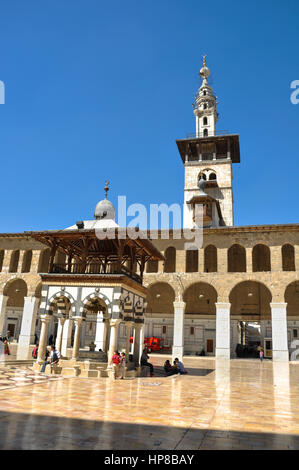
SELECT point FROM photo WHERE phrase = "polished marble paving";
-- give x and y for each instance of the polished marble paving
(237, 404)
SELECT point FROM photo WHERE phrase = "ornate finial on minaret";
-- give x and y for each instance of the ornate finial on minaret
(204, 71)
(106, 189)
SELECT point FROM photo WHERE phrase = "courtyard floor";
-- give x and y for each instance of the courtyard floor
(237, 404)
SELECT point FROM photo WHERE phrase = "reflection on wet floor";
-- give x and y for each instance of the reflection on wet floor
(224, 405)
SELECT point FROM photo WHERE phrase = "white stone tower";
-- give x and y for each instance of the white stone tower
(208, 155)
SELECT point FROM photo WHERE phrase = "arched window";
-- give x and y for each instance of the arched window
(14, 261)
(261, 258)
(212, 176)
(1, 259)
(236, 259)
(27, 257)
(204, 92)
(169, 264)
(210, 259)
(288, 257)
(191, 261)
(44, 259)
(205, 121)
(152, 266)
(205, 132)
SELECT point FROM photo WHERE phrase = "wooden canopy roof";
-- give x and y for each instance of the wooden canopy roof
(85, 244)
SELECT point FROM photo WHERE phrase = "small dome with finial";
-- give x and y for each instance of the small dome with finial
(105, 209)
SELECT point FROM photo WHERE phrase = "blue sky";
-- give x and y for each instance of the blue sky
(101, 90)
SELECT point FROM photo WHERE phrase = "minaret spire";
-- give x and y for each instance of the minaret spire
(205, 106)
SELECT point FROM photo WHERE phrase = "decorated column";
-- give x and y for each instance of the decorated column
(3, 303)
(223, 330)
(280, 350)
(128, 325)
(66, 336)
(113, 338)
(61, 322)
(77, 321)
(137, 342)
(178, 330)
(101, 332)
(45, 319)
(27, 327)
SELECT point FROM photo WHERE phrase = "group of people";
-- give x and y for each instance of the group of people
(176, 368)
(120, 364)
(51, 357)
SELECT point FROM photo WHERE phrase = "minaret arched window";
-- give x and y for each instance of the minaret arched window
(205, 132)
(204, 92)
(205, 121)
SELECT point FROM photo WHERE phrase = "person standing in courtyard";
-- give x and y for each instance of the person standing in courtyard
(6, 347)
(123, 363)
(261, 355)
(115, 363)
(35, 351)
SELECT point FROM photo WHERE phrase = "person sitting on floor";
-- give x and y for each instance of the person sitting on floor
(169, 369)
(144, 362)
(180, 366)
(131, 365)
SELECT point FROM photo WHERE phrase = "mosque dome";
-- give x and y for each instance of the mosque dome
(105, 209)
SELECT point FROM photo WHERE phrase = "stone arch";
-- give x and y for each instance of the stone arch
(59, 305)
(160, 298)
(236, 259)
(92, 297)
(170, 260)
(291, 297)
(59, 295)
(250, 298)
(26, 264)
(15, 289)
(2, 253)
(44, 261)
(210, 259)
(200, 298)
(288, 257)
(261, 258)
(14, 261)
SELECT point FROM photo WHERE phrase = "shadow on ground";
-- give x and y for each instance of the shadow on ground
(21, 431)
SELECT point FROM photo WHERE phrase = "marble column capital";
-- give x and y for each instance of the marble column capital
(179, 304)
(45, 318)
(114, 322)
(77, 320)
(278, 305)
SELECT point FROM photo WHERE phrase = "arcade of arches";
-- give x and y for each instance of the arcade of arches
(237, 289)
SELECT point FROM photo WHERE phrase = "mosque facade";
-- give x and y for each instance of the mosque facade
(237, 292)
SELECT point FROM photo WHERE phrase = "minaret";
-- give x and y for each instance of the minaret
(205, 106)
(208, 155)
